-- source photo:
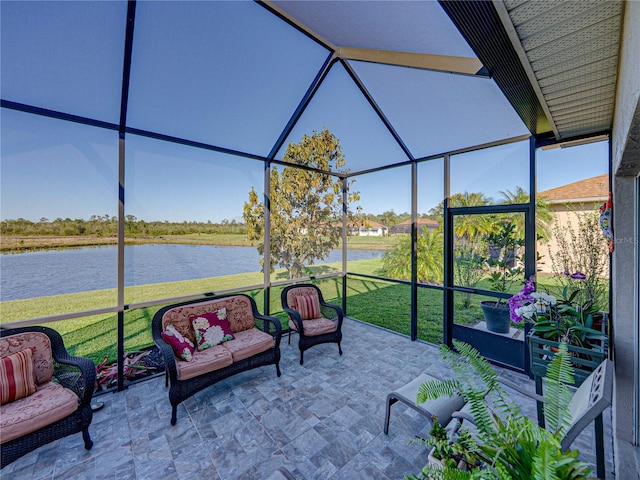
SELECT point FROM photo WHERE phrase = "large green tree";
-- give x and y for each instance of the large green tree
(305, 205)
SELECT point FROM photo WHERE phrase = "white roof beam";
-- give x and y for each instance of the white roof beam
(298, 24)
(424, 61)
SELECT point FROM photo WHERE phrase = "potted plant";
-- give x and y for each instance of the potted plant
(570, 319)
(503, 259)
(441, 453)
(508, 444)
(450, 450)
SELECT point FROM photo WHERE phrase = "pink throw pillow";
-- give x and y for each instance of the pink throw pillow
(211, 328)
(17, 377)
(182, 347)
(308, 306)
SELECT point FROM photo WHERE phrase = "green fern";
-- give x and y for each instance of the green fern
(544, 462)
(433, 389)
(559, 375)
(510, 445)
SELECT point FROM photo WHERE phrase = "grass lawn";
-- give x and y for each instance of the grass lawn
(96, 336)
(381, 303)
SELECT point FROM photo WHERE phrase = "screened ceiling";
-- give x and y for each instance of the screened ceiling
(251, 77)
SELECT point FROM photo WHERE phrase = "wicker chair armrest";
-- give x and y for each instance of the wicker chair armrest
(169, 356)
(75, 373)
(337, 312)
(297, 319)
(271, 325)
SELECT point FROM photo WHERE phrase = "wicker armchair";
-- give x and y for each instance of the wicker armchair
(75, 374)
(313, 327)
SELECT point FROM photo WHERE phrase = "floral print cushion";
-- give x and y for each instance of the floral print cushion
(181, 323)
(42, 356)
(182, 346)
(297, 292)
(239, 315)
(211, 329)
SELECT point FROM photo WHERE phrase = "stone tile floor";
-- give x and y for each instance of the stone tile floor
(322, 420)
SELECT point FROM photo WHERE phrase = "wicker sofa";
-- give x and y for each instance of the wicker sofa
(250, 348)
(61, 402)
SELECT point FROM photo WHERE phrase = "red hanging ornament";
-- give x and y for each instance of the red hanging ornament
(606, 220)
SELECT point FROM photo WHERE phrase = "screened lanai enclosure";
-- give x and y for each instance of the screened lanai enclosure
(194, 124)
(155, 152)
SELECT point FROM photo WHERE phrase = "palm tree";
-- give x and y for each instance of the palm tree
(543, 213)
(396, 262)
(430, 262)
(471, 227)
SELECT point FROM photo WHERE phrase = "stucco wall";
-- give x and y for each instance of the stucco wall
(625, 167)
(563, 214)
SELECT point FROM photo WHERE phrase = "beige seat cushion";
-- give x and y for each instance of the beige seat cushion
(204, 361)
(247, 343)
(316, 326)
(52, 402)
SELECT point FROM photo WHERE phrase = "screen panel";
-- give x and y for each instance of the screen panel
(491, 176)
(377, 243)
(59, 216)
(218, 73)
(64, 56)
(185, 230)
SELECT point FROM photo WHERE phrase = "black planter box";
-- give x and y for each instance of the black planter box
(498, 348)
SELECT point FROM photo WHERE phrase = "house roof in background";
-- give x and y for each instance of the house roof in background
(367, 224)
(590, 189)
(421, 221)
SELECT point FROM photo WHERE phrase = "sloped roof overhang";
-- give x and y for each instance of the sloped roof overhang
(556, 62)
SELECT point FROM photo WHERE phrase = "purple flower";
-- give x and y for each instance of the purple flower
(514, 303)
(578, 276)
(522, 298)
(529, 286)
(566, 272)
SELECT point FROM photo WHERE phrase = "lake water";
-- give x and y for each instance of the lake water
(37, 274)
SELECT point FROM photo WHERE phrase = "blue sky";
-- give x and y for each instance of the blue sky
(235, 86)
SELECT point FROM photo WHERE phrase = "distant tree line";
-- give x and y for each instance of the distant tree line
(391, 218)
(106, 225)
